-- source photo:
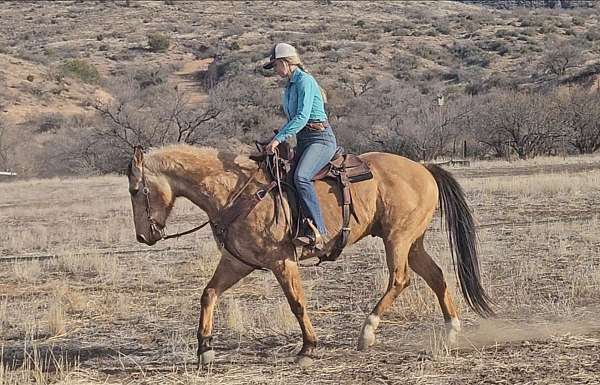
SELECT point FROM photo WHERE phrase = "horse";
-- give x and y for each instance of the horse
(397, 205)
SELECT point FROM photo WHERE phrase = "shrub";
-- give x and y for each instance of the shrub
(431, 32)
(81, 69)
(47, 123)
(401, 31)
(531, 21)
(148, 77)
(546, 29)
(442, 27)
(498, 46)
(563, 23)
(204, 51)
(158, 42)
(506, 33)
(592, 35)
(470, 54)
(570, 32)
(431, 53)
(577, 20)
(403, 65)
(360, 23)
(529, 32)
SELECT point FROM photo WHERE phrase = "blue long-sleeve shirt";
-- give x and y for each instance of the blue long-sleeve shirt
(302, 101)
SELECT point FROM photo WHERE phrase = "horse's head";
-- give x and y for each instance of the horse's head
(151, 197)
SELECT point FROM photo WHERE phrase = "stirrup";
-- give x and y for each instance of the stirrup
(303, 241)
(318, 238)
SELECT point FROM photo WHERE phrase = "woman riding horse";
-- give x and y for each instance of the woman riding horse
(303, 104)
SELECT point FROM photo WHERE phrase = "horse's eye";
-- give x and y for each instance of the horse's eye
(133, 191)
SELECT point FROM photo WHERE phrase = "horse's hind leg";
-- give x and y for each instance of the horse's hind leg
(422, 263)
(397, 261)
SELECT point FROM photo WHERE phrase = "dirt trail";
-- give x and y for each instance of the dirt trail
(497, 331)
(186, 79)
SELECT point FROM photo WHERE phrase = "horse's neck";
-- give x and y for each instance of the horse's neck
(210, 185)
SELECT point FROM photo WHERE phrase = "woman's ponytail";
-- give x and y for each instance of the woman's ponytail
(295, 60)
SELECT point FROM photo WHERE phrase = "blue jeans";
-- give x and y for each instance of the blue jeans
(315, 149)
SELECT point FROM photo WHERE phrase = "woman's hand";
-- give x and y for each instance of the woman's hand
(270, 148)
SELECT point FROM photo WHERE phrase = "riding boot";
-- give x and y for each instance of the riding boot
(307, 239)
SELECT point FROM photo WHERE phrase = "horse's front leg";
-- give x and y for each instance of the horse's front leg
(227, 274)
(288, 276)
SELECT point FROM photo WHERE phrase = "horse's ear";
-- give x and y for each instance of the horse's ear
(135, 169)
(138, 156)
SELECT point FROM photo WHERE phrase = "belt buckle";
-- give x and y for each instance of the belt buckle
(316, 126)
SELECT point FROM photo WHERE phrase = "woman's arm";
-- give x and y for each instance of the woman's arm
(305, 92)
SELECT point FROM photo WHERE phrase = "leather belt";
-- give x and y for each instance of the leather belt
(317, 125)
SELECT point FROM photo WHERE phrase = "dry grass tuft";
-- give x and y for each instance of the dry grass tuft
(281, 318)
(41, 366)
(71, 300)
(27, 271)
(56, 318)
(537, 186)
(235, 316)
(105, 267)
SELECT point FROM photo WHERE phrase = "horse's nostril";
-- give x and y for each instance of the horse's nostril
(140, 238)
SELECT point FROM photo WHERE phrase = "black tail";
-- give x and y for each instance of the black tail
(462, 238)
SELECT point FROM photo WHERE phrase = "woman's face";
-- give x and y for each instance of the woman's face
(281, 68)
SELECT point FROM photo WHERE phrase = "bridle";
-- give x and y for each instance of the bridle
(215, 223)
(155, 227)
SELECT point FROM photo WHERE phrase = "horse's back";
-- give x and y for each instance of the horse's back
(395, 170)
(406, 190)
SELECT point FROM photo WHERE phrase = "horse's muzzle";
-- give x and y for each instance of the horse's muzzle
(142, 239)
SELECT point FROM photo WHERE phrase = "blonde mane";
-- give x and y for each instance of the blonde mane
(179, 157)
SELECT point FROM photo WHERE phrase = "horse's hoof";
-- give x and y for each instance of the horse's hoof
(366, 340)
(304, 362)
(367, 336)
(206, 358)
(452, 331)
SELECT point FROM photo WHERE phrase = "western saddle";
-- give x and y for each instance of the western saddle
(343, 168)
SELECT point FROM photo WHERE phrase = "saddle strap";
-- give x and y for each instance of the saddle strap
(346, 210)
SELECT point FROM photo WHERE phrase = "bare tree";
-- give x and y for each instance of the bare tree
(360, 86)
(154, 116)
(580, 118)
(562, 56)
(526, 123)
(398, 118)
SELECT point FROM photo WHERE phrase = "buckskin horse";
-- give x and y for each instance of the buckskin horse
(397, 205)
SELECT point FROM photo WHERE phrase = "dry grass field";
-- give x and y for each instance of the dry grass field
(82, 302)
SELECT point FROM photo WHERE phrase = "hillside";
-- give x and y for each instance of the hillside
(57, 59)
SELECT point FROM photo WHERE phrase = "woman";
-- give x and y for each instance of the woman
(303, 104)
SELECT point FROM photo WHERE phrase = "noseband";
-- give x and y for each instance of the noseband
(154, 227)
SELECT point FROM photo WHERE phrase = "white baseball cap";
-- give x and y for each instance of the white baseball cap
(280, 50)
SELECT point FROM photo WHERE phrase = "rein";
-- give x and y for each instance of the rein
(220, 230)
(231, 201)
